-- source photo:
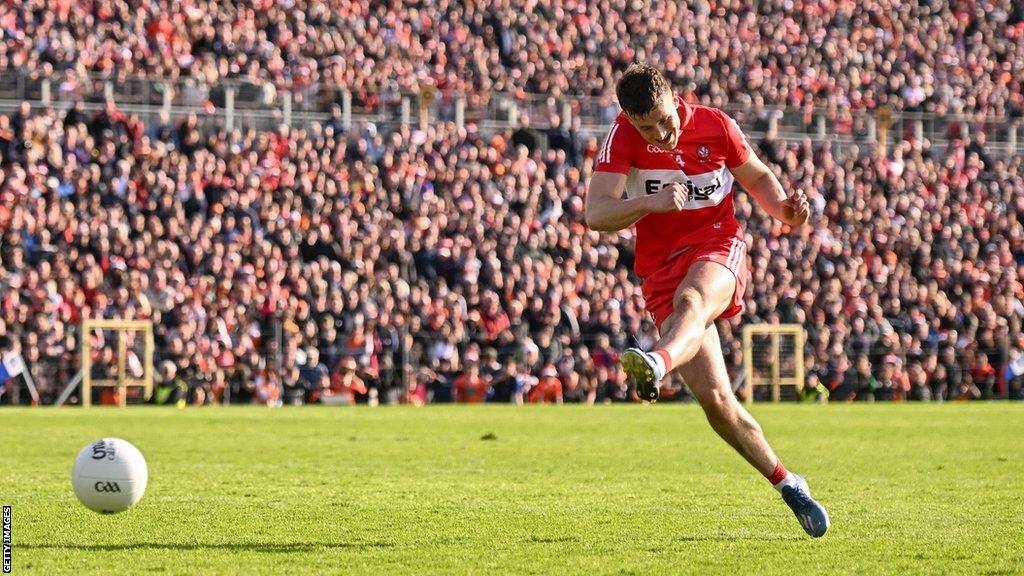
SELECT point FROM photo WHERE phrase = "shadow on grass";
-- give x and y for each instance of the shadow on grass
(737, 538)
(264, 547)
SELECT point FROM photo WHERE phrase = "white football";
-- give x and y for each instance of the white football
(109, 476)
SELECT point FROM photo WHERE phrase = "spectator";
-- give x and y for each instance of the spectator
(548, 388)
(346, 385)
(508, 385)
(294, 387)
(890, 384)
(313, 373)
(859, 384)
(168, 388)
(983, 375)
(918, 380)
(268, 389)
(470, 386)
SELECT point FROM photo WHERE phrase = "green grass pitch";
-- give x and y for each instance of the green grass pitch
(912, 489)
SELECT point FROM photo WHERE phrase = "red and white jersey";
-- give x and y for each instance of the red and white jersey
(710, 143)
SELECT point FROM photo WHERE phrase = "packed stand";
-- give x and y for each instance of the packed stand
(956, 56)
(315, 265)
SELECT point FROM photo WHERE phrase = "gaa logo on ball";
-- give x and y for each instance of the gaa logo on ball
(109, 476)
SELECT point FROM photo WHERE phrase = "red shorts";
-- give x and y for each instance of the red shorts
(660, 287)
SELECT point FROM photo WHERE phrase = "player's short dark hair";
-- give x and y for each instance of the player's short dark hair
(639, 89)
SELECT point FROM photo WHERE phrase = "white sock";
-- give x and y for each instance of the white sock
(659, 366)
(789, 480)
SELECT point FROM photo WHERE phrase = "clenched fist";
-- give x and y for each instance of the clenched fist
(795, 209)
(670, 198)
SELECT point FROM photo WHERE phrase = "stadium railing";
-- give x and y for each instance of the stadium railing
(241, 102)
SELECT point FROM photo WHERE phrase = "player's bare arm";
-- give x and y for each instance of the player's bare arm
(761, 183)
(608, 211)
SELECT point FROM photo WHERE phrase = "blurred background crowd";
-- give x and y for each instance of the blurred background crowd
(375, 262)
(942, 56)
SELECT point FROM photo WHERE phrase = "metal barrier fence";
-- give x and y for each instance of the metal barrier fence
(241, 102)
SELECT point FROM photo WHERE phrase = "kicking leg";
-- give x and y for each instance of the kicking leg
(703, 295)
(707, 378)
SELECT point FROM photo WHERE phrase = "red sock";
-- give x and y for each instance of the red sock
(778, 474)
(664, 358)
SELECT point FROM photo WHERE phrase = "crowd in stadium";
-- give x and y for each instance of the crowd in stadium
(352, 256)
(938, 56)
(329, 265)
